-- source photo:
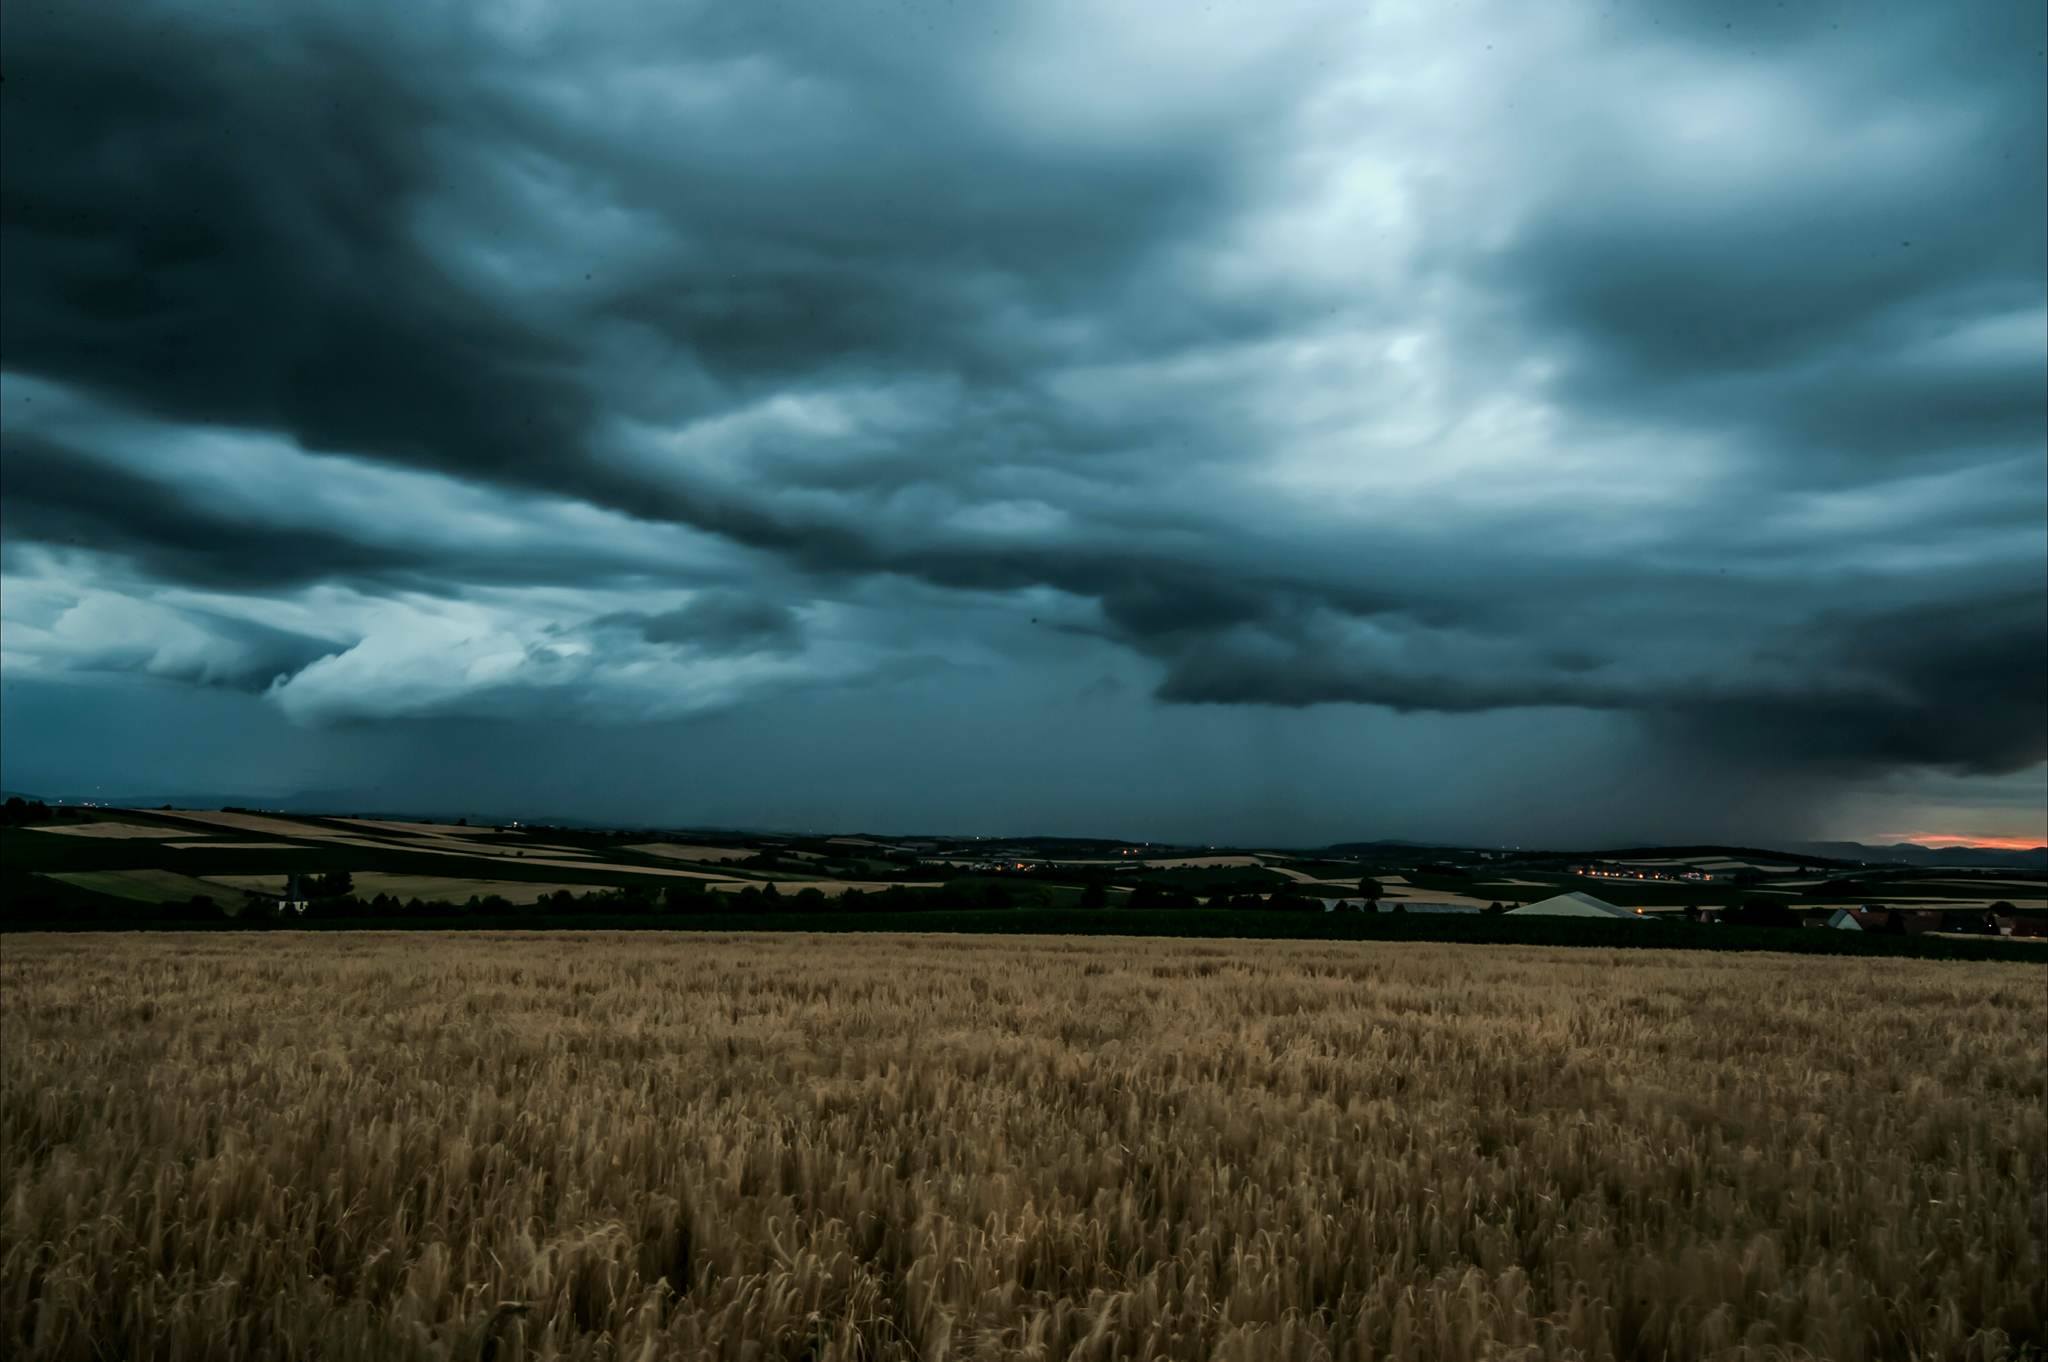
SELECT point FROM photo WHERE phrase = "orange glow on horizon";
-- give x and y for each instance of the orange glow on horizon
(1948, 839)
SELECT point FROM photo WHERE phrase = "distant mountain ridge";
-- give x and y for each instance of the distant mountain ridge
(1912, 853)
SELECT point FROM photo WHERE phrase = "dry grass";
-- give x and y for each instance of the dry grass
(297, 1146)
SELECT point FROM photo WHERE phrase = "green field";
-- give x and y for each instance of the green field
(149, 886)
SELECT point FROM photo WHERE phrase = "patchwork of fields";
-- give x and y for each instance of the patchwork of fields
(105, 867)
(744, 1146)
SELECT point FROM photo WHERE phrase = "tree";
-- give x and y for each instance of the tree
(19, 810)
(1369, 889)
(1761, 913)
(1095, 895)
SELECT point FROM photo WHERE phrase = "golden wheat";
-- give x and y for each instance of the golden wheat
(395, 1146)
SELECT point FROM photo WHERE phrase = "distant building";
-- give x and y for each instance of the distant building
(1844, 921)
(1896, 920)
(1397, 905)
(1575, 904)
(1426, 907)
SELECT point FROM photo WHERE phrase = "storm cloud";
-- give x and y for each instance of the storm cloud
(1674, 376)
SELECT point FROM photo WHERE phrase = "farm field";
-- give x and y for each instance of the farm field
(117, 831)
(234, 846)
(251, 822)
(673, 851)
(890, 1147)
(421, 829)
(147, 886)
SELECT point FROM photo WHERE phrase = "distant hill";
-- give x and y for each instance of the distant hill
(1819, 854)
(1802, 854)
(1386, 844)
(1808, 856)
(1912, 853)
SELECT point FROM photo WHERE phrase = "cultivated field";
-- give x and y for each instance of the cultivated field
(499, 1146)
(673, 851)
(150, 886)
(117, 831)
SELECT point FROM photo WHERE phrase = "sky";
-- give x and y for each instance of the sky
(1564, 424)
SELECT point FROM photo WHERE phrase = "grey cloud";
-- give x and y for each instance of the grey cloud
(1804, 309)
(1964, 688)
(1959, 687)
(56, 493)
(229, 229)
(856, 299)
(59, 496)
(209, 219)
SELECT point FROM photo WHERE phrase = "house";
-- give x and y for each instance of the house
(1843, 920)
(1576, 904)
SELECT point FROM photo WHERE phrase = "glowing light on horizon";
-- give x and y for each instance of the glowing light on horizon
(1933, 840)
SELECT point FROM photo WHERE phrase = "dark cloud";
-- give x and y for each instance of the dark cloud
(56, 495)
(1682, 368)
(228, 228)
(1960, 687)
(1859, 278)
(720, 621)
(210, 219)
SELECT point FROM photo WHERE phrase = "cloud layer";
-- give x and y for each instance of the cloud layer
(1681, 364)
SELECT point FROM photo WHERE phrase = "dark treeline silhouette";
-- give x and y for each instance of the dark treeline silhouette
(17, 811)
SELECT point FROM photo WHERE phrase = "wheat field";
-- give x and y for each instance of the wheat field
(859, 1147)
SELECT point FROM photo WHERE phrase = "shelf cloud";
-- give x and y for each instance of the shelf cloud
(1679, 370)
